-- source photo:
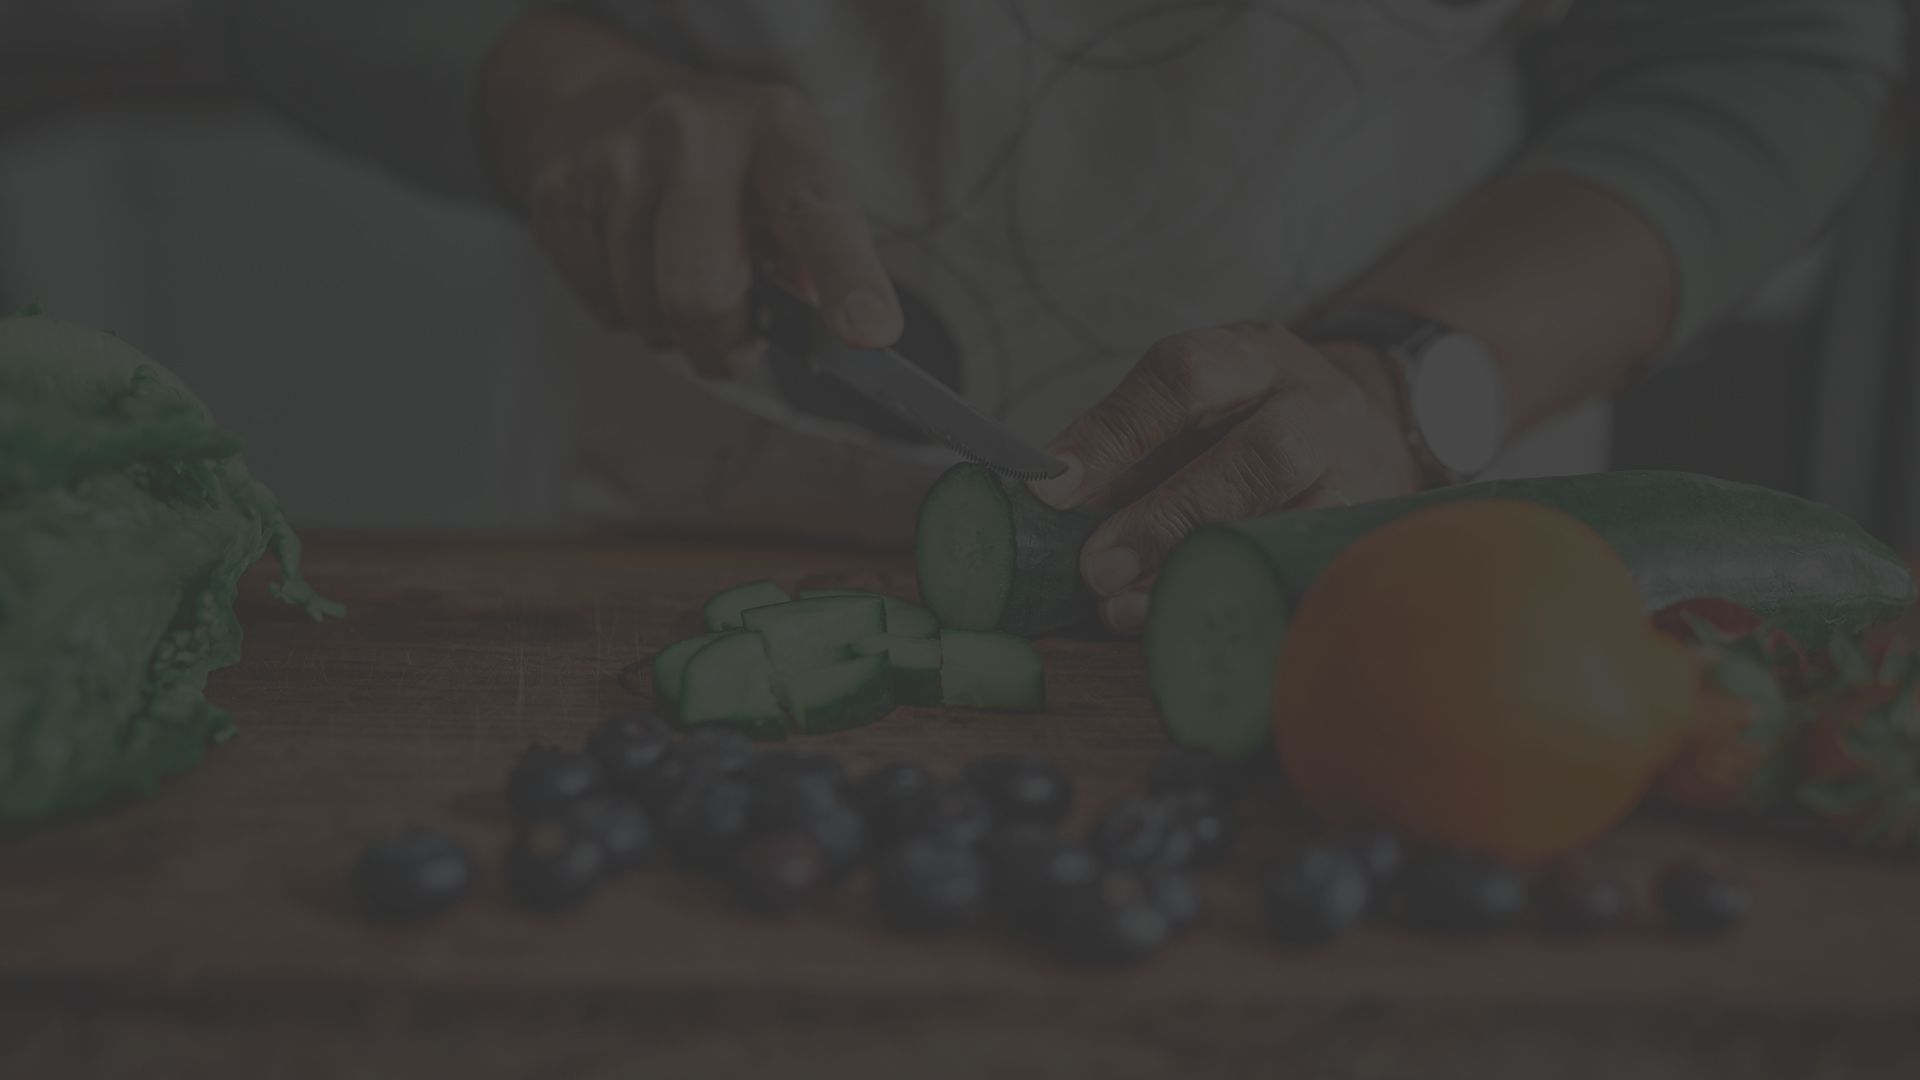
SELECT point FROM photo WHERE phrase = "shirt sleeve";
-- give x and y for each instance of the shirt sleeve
(1734, 127)
(395, 81)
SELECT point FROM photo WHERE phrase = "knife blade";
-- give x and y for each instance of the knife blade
(797, 335)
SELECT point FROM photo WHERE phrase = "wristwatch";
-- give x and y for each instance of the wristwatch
(1452, 392)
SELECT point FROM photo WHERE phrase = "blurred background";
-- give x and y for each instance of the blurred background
(322, 308)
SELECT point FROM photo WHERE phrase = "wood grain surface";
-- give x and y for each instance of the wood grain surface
(206, 931)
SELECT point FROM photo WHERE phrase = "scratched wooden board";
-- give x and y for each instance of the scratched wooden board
(209, 925)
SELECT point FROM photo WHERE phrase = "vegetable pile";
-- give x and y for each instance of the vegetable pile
(126, 520)
(772, 664)
(1782, 731)
(987, 848)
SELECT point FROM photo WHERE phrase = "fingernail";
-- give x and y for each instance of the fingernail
(1111, 570)
(1127, 614)
(1060, 491)
(869, 319)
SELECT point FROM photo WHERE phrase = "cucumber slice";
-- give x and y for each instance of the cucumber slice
(984, 670)
(670, 666)
(903, 619)
(1221, 604)
(915, 663)
(724, 610)
(850, 694)
(806, 634)
(730, 683)
(990, 556)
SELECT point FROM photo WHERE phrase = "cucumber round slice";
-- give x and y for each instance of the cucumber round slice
(990, 556)
(1219, 612)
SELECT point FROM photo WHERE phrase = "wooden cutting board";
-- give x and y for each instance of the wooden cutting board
(206, 931)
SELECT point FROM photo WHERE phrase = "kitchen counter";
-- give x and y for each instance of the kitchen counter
(206, 930)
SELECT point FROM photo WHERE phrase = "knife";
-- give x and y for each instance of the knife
(801, 349)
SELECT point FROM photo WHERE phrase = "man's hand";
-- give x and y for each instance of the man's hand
(654, 190)
(1217, 425)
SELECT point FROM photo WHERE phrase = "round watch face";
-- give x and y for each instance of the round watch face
(1459, 401)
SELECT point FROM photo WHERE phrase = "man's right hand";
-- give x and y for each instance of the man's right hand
(655, 190)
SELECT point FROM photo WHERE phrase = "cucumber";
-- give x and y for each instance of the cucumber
(1220, 607)
(723, 612)
(990, 556)
(806, 634)
(845, 695)
(903, 619)
(915, 662)
(670, 666)
(988, 670)
(729, 683)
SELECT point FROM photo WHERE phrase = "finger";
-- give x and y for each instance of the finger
(701, 258)
(1260, 467)
(560, 227)
(632, 194)
(1127, 613)
(1184, 384)
(820, 229)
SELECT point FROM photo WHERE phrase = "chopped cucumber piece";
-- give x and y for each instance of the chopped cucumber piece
(730, 683)
(903, 619)
(724, 610)
(807, 634)
(849, 694)
(915, 662)
(670, 666)
(992, 557)
(985, 670)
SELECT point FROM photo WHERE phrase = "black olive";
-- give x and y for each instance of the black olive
(1699, 900)
(1186, 770)
(1314, 894)
(1032, 868)
(956, 812)
(626, 745)
(894, 799)
(414, 875)
(787, 766)
(553, 867)
(1456, 893)
(789, 804)
(1023, 787)
(1211, 823)
(1576, 901)
(1111, 920)
(1143, 834)
(620, 826)
(722, 749)
(546, 778)
(710, 826)
(930, 884)
(781, 872)
(1177, 896)
(1382, 853)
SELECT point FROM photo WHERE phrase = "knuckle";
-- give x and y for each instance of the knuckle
(1168, 520)
(1260, 476)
